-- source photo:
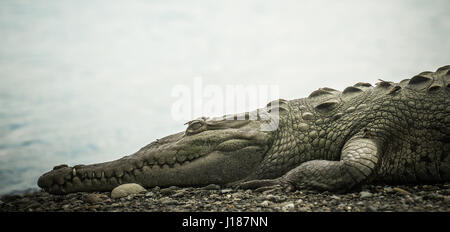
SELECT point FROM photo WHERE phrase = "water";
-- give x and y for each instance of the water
(91, 81)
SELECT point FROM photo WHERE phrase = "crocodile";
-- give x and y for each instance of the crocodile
(329, 141)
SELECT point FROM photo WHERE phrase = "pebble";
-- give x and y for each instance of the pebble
(304, 209)
(401, 191)
(166, 191)
(179, 193)
(446, 199)
(211, 187)
(168, 201)
(335, 197)
(365, 194)
(226, 190)
(95, 198)
(288, 206)
(126, 189)
(265, 203)
(299, 202)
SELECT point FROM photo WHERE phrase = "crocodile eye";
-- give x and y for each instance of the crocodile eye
(195, 126)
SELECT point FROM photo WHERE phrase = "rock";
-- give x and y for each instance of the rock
(168, 201)
(95, 198)
(126, 189)
(271, 197)
(446, 199)
(265, 189)
(226, 190)
(372, 208)
(365, 194)
(211, 187)
(304, 209)
(335, 197)
(288, 206)
(265, 203)
(388, 189)
(401, 191)
(33, 205)
(179, 193)
(166, 191)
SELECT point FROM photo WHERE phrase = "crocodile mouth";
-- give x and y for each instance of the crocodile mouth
(209, 157)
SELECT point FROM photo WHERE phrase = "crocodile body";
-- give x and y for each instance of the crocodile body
(330, 140)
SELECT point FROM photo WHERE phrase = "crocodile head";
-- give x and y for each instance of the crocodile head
(210, 151)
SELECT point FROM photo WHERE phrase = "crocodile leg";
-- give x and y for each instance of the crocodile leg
(359, 158)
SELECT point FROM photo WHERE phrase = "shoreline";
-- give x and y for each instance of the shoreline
(212, 198)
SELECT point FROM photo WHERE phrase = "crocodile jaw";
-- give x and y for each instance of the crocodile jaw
(211, 157)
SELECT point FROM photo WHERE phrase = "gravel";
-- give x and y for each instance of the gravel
(369, 198)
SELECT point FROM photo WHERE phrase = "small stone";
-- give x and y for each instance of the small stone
(167, 201)
(299, 202)
(304, 209)
(271, 197)
(226, 190)
(173, 187)
(265, 203)
(388, 189)
(446, 199)
(372, 208)
(179, 193)
(211, 187)
(95, 198)
(126, 189)
(335, 197)
(166, 191)
(33, 205)
(365, 194)
(266, 190)
(149, 194)
(401, 191)
(288, 206)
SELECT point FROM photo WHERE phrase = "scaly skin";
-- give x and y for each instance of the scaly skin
(331, 140)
